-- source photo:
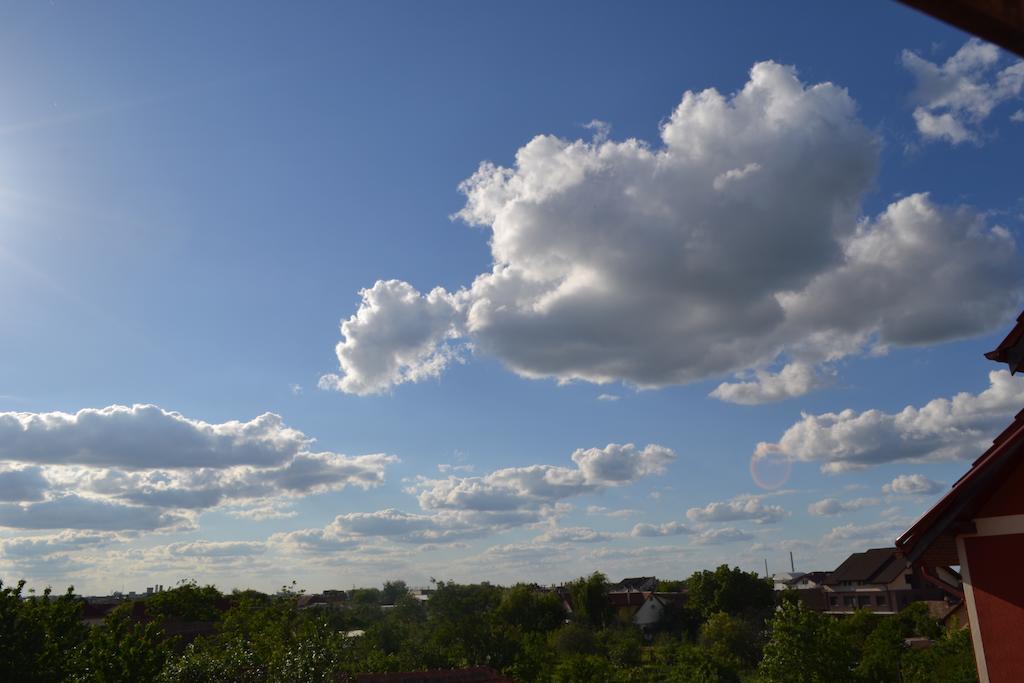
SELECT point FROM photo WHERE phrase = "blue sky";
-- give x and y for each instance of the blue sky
(192, 198)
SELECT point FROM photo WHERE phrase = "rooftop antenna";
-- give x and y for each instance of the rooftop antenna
(766, 567)
(792, 566)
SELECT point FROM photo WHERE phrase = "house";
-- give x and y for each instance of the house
(782, 580)
(979, 526)
(655, 608)
(879, 580)
(627, 596)
(627, 603)
(808, 581)
(642, 584)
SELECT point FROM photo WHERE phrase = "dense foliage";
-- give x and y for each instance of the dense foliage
(730, 631)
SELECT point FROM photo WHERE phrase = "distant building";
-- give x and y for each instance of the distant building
(654, 610)
(643, 584)
(879, 580)
(782, 580)
(808, 581)
(627, 596)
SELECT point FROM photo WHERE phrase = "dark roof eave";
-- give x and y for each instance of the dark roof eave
(955, 507)
(1001, 23)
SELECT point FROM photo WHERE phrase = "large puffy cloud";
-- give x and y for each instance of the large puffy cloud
(918, 273)
(739, 508)
(943, 429)
(954, 98)
(22, 484)
(145, 468)
(912, 485)
(709, 254)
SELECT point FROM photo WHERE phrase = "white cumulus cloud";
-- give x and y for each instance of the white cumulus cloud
(943, 429)
(736, 242)
(913, 485)
(954, 98)
(398, 335)
(739, 508)
(794, 379)
(144, 468)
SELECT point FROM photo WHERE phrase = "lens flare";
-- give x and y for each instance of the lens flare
(770, 468)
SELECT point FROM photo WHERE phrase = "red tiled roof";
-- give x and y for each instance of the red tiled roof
(935, 531)
(957, 507)
(627, 598)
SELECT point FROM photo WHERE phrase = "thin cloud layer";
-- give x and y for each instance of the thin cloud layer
(834, 506)
(643, 530)
(525, 488)
(943, 429)
(953, 99)
(144, 468)
(734, 244)
(722, 536)
(458, 508)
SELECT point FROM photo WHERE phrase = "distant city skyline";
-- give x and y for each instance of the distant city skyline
(377, 291)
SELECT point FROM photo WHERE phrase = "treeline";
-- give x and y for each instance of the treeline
(732, 629)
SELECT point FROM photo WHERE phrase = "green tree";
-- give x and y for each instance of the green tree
(729, 590)
(460, 622)
(805, 647)
(122, 650)
(693, 664)
(590, 600)
(188, 601)
(622, 646)
(530, 610)
(574, 638)
(580, 668)
(40, 636)
(392, 591)
(882, 653)
(916, 620)
(735, 641)
(858, 626)
(950, 659)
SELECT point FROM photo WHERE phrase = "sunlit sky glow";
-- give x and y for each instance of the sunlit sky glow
(351, 292)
